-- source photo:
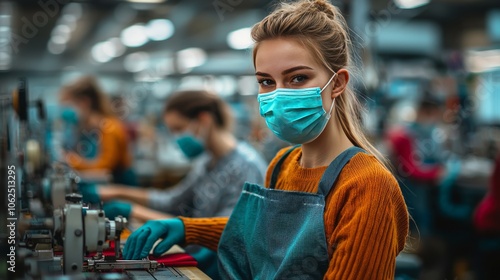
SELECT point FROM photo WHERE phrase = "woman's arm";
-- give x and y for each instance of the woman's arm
(204, 231)
(144, 214)
(132, 194)
(368, 231)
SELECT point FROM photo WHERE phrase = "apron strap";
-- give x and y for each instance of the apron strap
(333, 170)
(277, 167)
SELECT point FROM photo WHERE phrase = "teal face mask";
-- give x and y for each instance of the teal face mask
(190, 145)
(295, 115)
(69, 115)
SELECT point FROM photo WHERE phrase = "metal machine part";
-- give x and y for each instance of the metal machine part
(56, 231)
(73, 239)
(80, 231)
(103, 265)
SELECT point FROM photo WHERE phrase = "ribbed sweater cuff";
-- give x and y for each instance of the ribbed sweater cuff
(204, 231)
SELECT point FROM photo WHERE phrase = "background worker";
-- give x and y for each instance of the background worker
(97, 139)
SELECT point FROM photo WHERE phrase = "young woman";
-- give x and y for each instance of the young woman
(100, 142)
(330, 208)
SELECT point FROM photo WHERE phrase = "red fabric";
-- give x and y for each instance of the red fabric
(402, 146)
(177, 259)
(487, 215)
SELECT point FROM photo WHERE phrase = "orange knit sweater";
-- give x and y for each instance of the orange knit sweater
(113, 149)
(366, 220)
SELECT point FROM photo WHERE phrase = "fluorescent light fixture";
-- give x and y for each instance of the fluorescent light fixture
(146, 1)
(113, 47)
(5, 57)
(134, 36)
(189, 58)
(5, 30)
(98, 53)
(240, 39)
(61, 29)
(160, 29)
(410, 4)
(55, 48)
(136, 62)
(61, 34)
(483, 61)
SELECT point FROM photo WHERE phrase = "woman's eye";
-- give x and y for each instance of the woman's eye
(265, 82)
(299, 79)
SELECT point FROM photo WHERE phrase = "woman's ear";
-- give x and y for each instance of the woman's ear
(340, 82)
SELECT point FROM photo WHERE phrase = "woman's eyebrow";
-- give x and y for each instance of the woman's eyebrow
(293, 69)
(287, 71)
(262, 74)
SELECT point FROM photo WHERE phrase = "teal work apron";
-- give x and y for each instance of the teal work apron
(276, 234)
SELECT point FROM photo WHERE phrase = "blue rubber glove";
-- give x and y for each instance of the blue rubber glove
(117, 208)
(89, 193)
(140, 242)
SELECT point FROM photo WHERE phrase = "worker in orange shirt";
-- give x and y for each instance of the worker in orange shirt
(329, 209)
(98, 141)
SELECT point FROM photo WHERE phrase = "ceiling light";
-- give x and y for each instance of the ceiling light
(134, 36)
(146, 1)
(62, 30)
(240, 39)
(410, 4)
(160, 29)
(113, 47)
(483, 61)
(55, 48)
(136, 62)
(5, 57)
(189, 58)
(98, 53)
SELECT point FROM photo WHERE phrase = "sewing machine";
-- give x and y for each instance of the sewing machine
(57, 235)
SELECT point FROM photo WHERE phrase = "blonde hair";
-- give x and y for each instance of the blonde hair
(320, 27)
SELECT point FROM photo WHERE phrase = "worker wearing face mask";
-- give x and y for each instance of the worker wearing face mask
(201, 125)
(94, 140)
(329, 208)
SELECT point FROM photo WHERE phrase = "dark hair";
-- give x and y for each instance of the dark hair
(87, 87)
(191, 103)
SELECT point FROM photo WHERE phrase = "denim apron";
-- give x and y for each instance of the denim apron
(276, 234)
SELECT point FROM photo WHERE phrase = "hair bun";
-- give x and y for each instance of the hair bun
(324, 6)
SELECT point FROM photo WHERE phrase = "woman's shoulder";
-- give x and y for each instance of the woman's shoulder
(247, 154)
(112, 125)
(282, 152)
(365, 171)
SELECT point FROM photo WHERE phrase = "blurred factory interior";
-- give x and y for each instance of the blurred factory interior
(143, 50)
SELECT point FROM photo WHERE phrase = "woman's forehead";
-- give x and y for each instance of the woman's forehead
(282, 53)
